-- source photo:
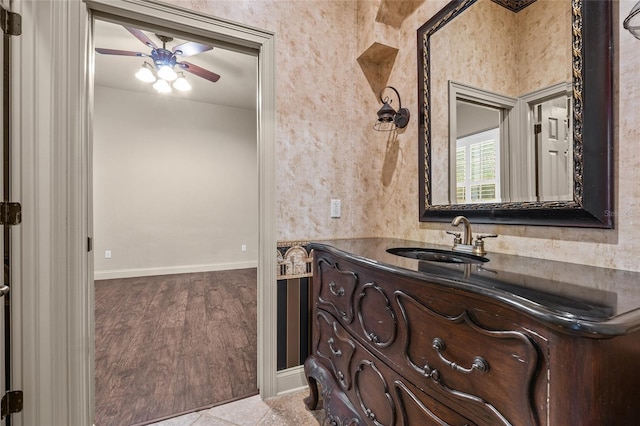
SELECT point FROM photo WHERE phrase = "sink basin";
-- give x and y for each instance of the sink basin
(435, 255)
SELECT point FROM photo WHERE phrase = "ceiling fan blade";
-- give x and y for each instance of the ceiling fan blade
(142, 37)
(200, 72)
(190, 48)
(118, 52)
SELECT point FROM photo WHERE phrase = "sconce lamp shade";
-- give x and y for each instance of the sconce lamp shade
(632, 22)
(388, 118)
(386, 113)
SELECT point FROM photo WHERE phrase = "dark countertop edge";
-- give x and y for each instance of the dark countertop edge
(626, 323)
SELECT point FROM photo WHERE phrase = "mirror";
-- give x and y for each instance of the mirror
(515, 112)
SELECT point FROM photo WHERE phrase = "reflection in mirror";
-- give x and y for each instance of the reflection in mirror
(502, 87)
(512, 54)
(553, 149)
(529, 158)
(477, 155)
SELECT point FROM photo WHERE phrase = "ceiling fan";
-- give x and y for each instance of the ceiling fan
(164, 61)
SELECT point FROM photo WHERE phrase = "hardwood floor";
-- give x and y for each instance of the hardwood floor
(172, 344)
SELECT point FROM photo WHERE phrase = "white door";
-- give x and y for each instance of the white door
(554, 151)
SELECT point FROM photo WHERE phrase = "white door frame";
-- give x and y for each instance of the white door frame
(52, 103)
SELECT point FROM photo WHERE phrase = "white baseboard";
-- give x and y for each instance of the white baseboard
(172, 270)
(290, 380)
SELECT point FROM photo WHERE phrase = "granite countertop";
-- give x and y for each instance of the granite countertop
(577, 299)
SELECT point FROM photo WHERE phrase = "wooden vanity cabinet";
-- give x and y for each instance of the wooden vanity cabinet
(391, 349)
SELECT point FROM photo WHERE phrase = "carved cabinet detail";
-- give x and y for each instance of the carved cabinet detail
(379, 329)
(491, 371)
(336, 289)
(392, 347)
(401, 358)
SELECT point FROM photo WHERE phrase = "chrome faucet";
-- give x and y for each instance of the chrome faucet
(468, 238)
(466, 244)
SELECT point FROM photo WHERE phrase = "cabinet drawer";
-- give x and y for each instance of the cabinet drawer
(379, 395)
(335, 289)
(494, 367)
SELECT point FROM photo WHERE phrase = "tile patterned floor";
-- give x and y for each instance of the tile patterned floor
(287, 410)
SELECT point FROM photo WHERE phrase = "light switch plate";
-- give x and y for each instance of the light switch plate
(335, 208)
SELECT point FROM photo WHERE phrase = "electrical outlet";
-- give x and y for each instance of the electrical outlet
(243, 247)
(107, 254)
(335, 208)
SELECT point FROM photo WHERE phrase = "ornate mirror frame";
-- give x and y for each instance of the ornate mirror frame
(592, 129)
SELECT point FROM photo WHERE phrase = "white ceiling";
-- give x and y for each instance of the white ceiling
(236, 87)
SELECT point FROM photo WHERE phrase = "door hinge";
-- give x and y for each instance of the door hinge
(10, 213)
(537, 128)
(11, 403)
(11, 22)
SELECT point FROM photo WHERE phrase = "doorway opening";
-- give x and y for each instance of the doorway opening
(175, 203)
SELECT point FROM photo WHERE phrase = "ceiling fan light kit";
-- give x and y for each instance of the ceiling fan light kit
(162, 86)
(162, 72)
(166, 72)
(181, 83)
(145, 73)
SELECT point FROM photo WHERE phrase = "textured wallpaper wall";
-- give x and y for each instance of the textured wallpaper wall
(326, 148)
(615, 248)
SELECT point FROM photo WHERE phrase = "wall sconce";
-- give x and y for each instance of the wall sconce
(388, 118)
(632, 22)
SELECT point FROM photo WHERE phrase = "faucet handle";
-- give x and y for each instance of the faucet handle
(480, 237)
(478, 246)
(456, 237)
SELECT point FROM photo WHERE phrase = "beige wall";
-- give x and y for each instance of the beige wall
(175, 185)
(544, 45)
(328, 150)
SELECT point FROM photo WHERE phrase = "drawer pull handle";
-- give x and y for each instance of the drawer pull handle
(336, 352)
(479, 363)
(332, 289)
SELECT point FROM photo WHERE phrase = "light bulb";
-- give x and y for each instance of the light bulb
(145, 74)
(162, 86)
(167, 73)
(181, 84)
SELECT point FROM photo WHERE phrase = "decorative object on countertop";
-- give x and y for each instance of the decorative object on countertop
(466, 244)
(632, 22)
(388, 118)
